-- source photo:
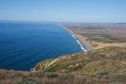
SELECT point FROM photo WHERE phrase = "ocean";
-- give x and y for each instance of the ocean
(23, 45)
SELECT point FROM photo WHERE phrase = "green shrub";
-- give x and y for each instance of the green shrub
(101, 74)
(36, 74)
(116, 75)
(27, 81)
(65, 75)
(2, 76)
(17, 75)
(116, 83)
(51, 75)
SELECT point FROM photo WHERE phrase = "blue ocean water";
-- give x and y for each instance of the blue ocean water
(23, 45)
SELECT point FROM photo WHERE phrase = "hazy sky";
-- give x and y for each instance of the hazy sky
(64, 10)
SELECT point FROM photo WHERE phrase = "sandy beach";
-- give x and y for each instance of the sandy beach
(81, 39)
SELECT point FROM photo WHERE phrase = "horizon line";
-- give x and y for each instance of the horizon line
(62, 22)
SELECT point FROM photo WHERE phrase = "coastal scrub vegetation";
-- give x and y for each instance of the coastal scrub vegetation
(11, 77)
(109, 59)
(102, 66)
(104, 38)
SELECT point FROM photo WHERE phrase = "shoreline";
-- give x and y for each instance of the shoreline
(85, 46)
(85, 43)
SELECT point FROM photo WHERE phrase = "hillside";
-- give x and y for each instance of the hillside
(101, 66)
(109, 59)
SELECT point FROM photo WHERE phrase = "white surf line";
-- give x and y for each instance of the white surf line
(72, 34)
(81, 46)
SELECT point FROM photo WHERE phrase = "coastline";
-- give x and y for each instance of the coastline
(85, 43)
(85, 46)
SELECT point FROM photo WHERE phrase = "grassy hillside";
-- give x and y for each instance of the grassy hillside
(110, 60)
(102, 66)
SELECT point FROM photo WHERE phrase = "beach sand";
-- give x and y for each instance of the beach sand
(93, 45)
(82, 40)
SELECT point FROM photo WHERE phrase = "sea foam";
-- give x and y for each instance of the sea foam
(71, 33)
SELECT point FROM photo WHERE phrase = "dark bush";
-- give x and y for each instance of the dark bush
(101, 74)
(51, 75)
(67, 75)
(36, 74)
(27, 81)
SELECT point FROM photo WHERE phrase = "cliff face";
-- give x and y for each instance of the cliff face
(109, 59)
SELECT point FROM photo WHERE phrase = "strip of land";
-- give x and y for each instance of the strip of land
(82, 40)
(85, 43)
(97, 36)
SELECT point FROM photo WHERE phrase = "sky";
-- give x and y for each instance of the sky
(64, 10)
